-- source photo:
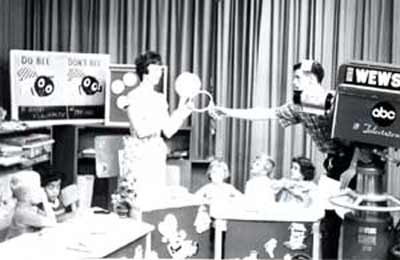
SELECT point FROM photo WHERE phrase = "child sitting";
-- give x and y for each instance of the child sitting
(32, 211)
(217, 189)
(258, 187)
(299, 187)
(51, 183)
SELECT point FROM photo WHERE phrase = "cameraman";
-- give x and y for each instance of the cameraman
(307, 89)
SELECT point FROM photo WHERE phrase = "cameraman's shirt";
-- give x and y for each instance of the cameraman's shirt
(317, 126)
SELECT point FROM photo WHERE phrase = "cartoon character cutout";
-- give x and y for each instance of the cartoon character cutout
(270, 246)
(177, 245)
(90, 85)
(203, 220)
(43, 86)
(139, 253)
(252, 256)
(297, 237)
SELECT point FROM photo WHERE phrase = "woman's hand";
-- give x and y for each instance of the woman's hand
(185, 107)
(186, 103)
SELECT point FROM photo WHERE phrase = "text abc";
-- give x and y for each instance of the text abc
(383, 113)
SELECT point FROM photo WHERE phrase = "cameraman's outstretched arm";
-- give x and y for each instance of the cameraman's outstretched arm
(257, 113)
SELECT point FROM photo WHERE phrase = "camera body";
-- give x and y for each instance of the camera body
(367, 104)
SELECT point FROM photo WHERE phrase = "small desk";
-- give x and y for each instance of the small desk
(248, 228)
(88, 235)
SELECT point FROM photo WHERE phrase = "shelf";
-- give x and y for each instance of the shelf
(199, 161)
(185, 128)
(87, 156)
(25, 163)
(6, 131)
(102, 126)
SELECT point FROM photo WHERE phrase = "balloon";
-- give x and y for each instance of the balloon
(187, 84)
(117, 86)
(122, 102)
(130, 79)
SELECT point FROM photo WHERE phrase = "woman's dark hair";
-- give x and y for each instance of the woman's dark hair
(307, 168)
(316, 69)
(143, 61)
(48, 174)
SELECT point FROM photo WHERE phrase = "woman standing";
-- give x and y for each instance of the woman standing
(145, 152)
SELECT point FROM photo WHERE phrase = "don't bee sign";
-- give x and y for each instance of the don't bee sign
(58, 87)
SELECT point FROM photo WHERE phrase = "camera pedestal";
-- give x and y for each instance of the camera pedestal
(367, 232)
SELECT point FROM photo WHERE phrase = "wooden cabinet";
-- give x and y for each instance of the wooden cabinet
(179, 165)
(75, 153)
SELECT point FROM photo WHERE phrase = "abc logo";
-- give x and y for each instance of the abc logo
(383, 114)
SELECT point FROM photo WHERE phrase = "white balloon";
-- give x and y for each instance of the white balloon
(187, 84)
(122, 102)
(130, 79)
(117, 86)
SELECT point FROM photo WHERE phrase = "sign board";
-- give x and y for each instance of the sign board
(374, 75)
(124, 79)
(58, 87)
(367, 104)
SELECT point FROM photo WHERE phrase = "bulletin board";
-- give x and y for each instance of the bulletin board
(123, 79)
(58, 87)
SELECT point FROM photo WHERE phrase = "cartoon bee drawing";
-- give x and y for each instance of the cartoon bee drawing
(43, 86)
(90, 85)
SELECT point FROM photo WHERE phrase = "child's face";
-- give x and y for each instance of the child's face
(295, 172)
(217, 175)
(52, 190)
(261, 167)
(257, 168)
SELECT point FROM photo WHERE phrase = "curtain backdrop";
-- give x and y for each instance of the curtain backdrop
(330, 31)
(237, 46)
(181, 31)
(242, 49)
(12, 31)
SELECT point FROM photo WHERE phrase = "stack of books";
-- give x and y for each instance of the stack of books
(11, 154)
(34, 148)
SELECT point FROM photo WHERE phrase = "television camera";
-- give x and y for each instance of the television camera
(365, 107)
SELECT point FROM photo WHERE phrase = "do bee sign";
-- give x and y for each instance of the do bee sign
(58, 87)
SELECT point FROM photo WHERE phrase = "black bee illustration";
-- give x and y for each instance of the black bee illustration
(43, 86)
(90, 85)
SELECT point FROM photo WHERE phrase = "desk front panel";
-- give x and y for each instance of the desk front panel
(185, 217)
(242, 237)
(132, 250)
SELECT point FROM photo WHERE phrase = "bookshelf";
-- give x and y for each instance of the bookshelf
(75, 154)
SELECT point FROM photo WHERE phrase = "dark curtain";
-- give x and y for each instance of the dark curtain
(330, 31)
(183, 32)
(243, 51)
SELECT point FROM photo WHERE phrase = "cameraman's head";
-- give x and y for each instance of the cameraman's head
(307, 72)
(307, 88)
